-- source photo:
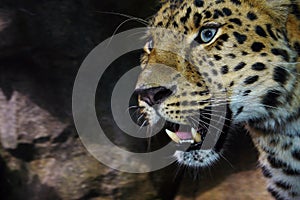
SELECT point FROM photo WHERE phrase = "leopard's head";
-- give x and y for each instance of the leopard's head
(210, 64)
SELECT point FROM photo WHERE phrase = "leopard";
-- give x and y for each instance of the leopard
(236, 60)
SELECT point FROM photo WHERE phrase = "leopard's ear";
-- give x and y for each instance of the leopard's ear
(287, 14)
(279, 9)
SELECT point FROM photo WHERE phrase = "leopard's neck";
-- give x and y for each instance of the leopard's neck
(280, 157)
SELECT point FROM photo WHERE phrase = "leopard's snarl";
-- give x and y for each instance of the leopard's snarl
(242, 54)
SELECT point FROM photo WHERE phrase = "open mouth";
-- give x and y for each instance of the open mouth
(193, 136)
(196, 134)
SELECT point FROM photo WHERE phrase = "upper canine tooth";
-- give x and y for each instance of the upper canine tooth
(173, 136)
(196, 136)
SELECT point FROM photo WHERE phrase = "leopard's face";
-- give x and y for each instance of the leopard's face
(229, 53)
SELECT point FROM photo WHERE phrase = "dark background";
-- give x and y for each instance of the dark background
(41, 157)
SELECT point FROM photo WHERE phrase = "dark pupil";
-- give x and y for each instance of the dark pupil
(208, 34)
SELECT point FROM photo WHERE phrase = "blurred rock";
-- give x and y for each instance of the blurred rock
(47, 161)
(24, 123)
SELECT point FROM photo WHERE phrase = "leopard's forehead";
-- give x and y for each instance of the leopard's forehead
(245, 24)
(189, 15)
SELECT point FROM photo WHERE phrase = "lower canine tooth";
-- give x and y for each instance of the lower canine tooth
(196, 136)
(173, 136)
(186, 141)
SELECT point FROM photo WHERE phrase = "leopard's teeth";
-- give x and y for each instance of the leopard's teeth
(173, 136)
(176, 139)
(196, 135)
(186, 141)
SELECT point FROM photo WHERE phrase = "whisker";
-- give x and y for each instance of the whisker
(133, 107)
(139, 118)
(194, 122)
(134, 113)
(149, 131)
(128, 109)
(205, 123)
(114, 33)
(214, 121)
(144, 22)
(140, 129)
(230, 164)
(136, 33)
(220, 116)
(178, 171)
(212, 113)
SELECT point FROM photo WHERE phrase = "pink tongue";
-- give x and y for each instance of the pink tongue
(184, 135)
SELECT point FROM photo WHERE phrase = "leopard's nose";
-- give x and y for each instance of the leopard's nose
(154, 95)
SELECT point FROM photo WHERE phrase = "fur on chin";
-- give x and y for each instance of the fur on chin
(197, 158)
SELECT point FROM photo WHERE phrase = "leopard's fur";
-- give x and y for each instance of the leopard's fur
(251, 64)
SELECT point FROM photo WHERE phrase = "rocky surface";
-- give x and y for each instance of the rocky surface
(244, 185)
(42, 44)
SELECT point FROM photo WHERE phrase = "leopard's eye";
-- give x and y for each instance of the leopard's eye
(207, 34)
(149, 46)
